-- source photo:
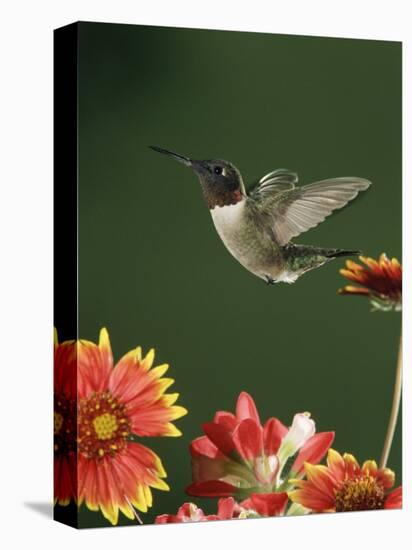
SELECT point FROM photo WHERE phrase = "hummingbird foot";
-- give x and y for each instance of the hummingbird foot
(270, 280)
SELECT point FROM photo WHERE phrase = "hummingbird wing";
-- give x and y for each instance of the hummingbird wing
(293, 210)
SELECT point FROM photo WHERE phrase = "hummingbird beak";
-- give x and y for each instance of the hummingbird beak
(186, 161)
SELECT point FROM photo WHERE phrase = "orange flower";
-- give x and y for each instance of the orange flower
(344, 486)
(381, 280)
(116, 404)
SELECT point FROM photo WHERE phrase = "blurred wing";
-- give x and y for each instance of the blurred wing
(282, 175)
(294, 210)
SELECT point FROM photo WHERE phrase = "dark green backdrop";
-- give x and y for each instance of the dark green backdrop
(151, 267)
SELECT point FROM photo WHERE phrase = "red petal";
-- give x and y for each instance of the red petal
(246, 408)
(219, 436)
(226, 508)
(270, 504)
(320, 477)
(211, 489)
(248, 439)
(150, 420)
(273, 433)
(132, 383)
(65, 370)
(313, 451)
(394, 499)
(312, 498)
(202, 446)
(93, 369)
(65, 479)
(167, 518)
(226, 419)
(87, 480)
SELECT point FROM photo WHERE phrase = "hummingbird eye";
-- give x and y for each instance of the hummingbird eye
(218, 170)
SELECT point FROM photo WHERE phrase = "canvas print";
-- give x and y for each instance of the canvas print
(228, 279)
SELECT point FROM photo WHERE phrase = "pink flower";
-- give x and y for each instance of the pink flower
(239, 456)
(227, 508)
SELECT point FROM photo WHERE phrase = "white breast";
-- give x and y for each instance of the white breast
(227, 218)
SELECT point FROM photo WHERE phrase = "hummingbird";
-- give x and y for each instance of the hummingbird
(257, 227)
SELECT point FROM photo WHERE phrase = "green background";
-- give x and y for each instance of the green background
(151, 266)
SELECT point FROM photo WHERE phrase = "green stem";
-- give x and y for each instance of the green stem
(396, 400)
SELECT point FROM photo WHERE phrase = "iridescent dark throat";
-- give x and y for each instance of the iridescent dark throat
(221, 197)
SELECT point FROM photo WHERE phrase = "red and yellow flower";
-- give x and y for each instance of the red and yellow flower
(381, 281)
(65, 395)
(228, 508)
(116, 403)
(344, 486)
(240, 457)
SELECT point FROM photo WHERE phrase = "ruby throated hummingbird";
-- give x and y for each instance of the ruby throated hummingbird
(257, 227)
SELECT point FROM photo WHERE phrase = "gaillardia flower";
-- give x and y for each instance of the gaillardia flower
(344, 486)
(240, 457)
(116, 404)
(228, 508)
(65, 395)
(381, 281)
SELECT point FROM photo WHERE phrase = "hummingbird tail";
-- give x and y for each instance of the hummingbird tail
(301, 258)
(339, 252)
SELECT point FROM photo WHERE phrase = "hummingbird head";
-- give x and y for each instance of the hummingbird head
(221, 181)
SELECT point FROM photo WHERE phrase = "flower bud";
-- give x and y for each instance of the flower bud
(303, 427)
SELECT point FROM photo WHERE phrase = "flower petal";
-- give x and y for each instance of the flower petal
(336, 465)
(226, 419)
(386, 477)
(267, 505)
(114, 483)
(154, 419)
(65, 370)
(130, 380)
(351, 465)
(312, 499)
(246, 408)
(105, 348)
(65, 479)
(349, 289)
(211, 489)
(202, 446)
(303, 428)
(394, 499)
(313, 451)
(94, 368)
(273, 433)
(248, 439)
(226, 508)
(188, 512)
(320, 478)
(220, 437)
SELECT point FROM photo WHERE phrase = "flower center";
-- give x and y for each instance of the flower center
(360, 493)
(58, 422)
(103, 425)
(265, 469)
(64, 425)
